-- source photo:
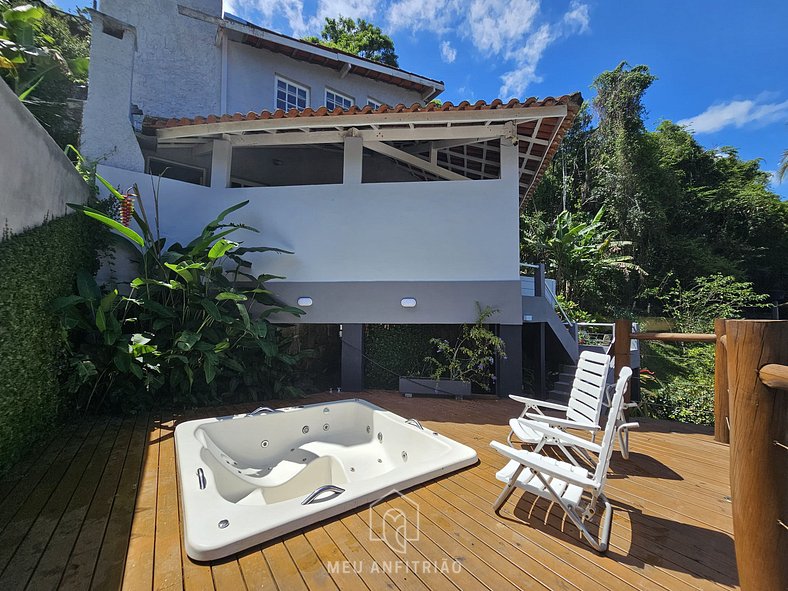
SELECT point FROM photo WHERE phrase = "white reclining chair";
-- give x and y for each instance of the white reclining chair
(563, 482)
(583, 410)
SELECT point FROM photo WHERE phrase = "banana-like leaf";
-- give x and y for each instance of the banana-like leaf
(228, 295)
(128, 233)
(221, 247)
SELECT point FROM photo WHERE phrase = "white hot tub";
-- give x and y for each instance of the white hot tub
(246, 479)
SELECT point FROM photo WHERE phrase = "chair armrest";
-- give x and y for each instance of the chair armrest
(538, 403)
(543, 465)
(552, 421)
(562, 436)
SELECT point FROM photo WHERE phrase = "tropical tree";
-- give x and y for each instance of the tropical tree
(358, 37)
(576, 249)
(783, 168)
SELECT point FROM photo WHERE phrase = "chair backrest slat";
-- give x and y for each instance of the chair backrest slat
(588, 388)
(616, 405)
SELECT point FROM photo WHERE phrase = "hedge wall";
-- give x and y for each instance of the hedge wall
(400, 348)
(35, 268)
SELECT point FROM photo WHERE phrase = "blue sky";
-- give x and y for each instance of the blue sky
(722, 65)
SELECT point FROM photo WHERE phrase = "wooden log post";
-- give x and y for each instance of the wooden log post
(759, 462)
(622, 345)
(721, 414)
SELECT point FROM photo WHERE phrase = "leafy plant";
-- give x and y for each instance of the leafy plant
(359, 37)
(26, 55)
(575, 249)
(471, 357)
(189, 331)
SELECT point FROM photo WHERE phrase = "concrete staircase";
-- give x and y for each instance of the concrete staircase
(559, 393)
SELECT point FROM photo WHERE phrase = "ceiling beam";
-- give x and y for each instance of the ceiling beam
(415, 161)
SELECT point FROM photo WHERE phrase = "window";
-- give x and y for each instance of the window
(290, 95)
(373, 103)
(334, 100)
(174, 170)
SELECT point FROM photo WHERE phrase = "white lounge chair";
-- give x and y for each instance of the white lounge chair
(563, 482)
(583, 410)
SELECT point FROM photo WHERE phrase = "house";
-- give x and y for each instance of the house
(397, 210)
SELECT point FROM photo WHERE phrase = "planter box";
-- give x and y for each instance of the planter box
(410, 386)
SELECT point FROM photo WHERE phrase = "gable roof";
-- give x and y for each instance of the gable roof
(465, 133)
(336, 59)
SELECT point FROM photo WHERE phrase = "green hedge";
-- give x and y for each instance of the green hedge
(400, 348)
(35, 268)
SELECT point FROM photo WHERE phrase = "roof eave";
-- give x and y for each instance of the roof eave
(434, 87)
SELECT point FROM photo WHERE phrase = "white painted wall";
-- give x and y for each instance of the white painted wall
(251, 73)
(107, 133)
(36, 178)
(436, 231)
(177, 65)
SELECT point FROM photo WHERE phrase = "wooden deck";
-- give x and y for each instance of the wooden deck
(96, 507)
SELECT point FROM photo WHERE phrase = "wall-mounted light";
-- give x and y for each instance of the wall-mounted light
(305, 302)
(408, 302)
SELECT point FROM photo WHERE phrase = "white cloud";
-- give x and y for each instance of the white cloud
(495, 25)
(577, 19)
(448, 53)
(737, 113)
(436, 16)
(365, 9)
(513, 31)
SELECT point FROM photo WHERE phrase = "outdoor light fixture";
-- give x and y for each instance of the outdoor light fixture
(408, 302)
(305, 302)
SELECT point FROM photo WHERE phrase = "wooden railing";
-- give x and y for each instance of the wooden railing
(751, 413)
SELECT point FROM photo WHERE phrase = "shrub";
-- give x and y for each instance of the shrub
(193, 330)
(471, 357)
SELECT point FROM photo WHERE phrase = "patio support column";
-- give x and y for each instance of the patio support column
(351, 169)
(510, 370)
(221, 164)
(510, 162)
(352, 357)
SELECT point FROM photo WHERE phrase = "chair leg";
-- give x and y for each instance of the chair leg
(508, 489)
(623, 441)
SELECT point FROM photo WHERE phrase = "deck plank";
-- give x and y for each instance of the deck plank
(94, 485)
(138, 570)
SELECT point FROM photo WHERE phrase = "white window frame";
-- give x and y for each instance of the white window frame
(344, 97)
(296, 85)
(373, 102)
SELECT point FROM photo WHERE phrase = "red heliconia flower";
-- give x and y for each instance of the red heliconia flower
(126, 209)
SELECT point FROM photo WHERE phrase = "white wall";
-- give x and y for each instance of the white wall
(251, 71)
(36, 178)
(177, 67)
(107, 133)
(436, 231)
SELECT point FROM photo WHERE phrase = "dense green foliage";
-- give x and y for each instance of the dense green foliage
(679, 381)
(686, 211)
(398, 350)
(44, 57)
(358, 37)
(703, 231)
(36, 267)
(193, 330)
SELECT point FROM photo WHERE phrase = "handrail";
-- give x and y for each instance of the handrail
(608, 324)
(529, 265)
(774, 375)
(674, 336)
(557, 303)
